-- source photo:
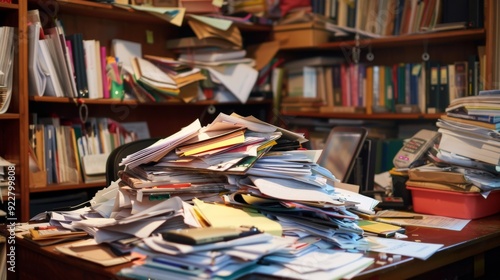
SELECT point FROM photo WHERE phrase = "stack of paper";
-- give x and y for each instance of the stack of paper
(298, 211)
(157, 80)
(470, 139)
(217, 48)
(225, 259)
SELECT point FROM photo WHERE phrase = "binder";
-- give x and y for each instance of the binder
(79, 63)
(444, 92)
(433, 93)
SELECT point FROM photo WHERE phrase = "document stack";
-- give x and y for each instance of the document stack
(217, 48)
(466, 162)
(470, 130)
(470, 141)
(231, 174)
(234, 156)
(165, 78)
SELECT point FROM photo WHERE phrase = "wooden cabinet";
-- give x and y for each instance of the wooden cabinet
(102, 22)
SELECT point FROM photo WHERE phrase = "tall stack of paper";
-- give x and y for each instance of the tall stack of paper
(217, 48)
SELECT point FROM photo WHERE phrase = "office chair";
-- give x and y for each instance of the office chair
(116, 156)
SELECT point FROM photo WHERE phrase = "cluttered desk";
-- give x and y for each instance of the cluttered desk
(468, 253)
(224, 201)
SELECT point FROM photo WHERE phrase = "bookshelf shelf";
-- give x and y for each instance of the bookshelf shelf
(66, 100)
(110, 11)
(105, 11)
(65, 187)
(448, 37)
(374, 116)
(9, 6)
(9, 116)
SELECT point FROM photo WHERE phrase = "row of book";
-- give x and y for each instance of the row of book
(70, 66)
(399, 17)
(327, 85)
(67, 150)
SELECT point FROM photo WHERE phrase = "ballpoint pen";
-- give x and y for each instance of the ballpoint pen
(416, 217)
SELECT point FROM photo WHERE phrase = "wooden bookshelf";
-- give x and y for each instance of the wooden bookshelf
(102, 22)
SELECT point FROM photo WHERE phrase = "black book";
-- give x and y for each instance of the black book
(79, 64)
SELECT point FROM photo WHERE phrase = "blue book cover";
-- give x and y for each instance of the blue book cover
(50, 153)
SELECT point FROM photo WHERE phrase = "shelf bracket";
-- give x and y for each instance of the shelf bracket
(83, 111)
(370, 56)
(425, 54)
(356, 50)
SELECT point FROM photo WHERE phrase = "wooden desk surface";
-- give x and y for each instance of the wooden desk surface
(478, 237)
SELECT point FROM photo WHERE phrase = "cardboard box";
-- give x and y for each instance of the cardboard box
(460, 205)
(299, 35)
(38, 179)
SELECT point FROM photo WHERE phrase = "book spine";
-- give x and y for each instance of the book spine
(444, 94)
(105, 81)
(433, 93)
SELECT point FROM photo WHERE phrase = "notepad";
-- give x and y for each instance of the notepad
(379, 228)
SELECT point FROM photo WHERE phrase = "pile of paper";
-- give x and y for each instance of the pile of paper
(468, 153)
(163, 77)
(296, 213)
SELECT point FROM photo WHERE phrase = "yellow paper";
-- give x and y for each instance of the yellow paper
(219, 215)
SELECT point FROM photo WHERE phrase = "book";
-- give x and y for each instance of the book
(337, 85)
(480, 118)
(79, 64)
(444, 94)
(212, 55)
(52, 232)
(495, 126)
(53, 86)
(187, 43)
(470, 146)
(56, 43)
(91, 69)
(433, 94)
(37, 75)
(105, 84)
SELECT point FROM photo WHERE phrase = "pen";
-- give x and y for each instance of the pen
(401, 217)
(45, 227)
